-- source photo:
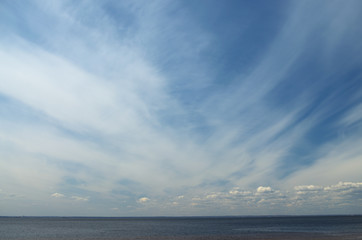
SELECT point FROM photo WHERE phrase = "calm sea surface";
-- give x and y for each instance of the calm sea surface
(331, 227)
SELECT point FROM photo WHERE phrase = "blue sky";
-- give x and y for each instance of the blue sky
(144, 108)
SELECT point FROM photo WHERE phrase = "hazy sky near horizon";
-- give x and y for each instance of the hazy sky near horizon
(144, 108)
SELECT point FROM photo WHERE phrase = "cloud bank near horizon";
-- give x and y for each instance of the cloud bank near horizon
(147, 108)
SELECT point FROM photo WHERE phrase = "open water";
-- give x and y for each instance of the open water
(81, 228)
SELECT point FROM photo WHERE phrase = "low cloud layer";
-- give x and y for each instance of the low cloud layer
(341, 198)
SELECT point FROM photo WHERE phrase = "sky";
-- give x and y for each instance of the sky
(180, 108)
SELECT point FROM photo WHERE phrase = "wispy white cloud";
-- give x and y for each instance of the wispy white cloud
(343, 158)
(353, 116)
(57, 195)
(78, 198)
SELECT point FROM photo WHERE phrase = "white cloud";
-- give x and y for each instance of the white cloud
(344, 186)
(262, 189)
(234, 191)
(98, 107)
(343, 158)
(213, 195)
(310, 199)
(57, 195)
(143, 200)
(353, 116)
(238, 191)
(78, 198)
(308, 188)
(348, 191)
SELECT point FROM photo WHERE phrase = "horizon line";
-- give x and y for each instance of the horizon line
(189, 216)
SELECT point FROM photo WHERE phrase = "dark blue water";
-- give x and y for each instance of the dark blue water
(325, 227)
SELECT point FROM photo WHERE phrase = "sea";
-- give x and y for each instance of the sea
(181, 228)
